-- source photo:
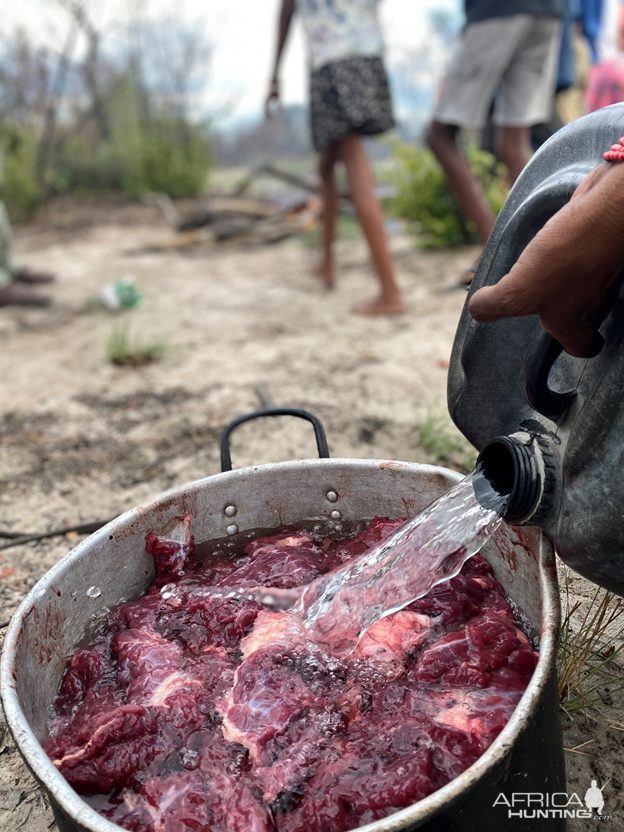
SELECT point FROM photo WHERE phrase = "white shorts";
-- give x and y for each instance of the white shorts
(510, 59)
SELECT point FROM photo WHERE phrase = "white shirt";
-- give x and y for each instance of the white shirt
(338, 29)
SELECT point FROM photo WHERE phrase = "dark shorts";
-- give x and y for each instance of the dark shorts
(347, 97)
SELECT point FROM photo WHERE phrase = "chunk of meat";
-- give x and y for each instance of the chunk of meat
(479, 714)
(142, 652)
(286, 560)
(366, 776)
(487, 643)
(455, 601)
(285, 708)
(267, 695)
(389, 641)
(170, 553)
(198, 621)
(105, 750)
(154, 689)
(90, 668)
(375, 531)
(185, 802)
(273, 628)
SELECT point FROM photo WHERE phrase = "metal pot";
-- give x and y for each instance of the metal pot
(112, 565)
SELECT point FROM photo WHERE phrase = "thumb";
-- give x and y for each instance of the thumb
(507, 299)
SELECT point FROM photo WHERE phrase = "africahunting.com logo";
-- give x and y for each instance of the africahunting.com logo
(533, 805)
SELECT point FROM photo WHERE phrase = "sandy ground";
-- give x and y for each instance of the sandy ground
(81, 439)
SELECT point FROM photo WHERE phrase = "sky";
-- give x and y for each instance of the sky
(243, 34)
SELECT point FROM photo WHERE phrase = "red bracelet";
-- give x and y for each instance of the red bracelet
(616, 154)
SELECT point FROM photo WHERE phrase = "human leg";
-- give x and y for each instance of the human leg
(442, 140)
(327, 161)
(370, 216)
(479, 61)
(26, 275)
(514, 149)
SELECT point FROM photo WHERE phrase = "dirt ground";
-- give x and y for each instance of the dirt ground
(81, 439)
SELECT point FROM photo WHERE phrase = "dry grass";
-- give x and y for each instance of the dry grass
(588, 648)
(439, 437)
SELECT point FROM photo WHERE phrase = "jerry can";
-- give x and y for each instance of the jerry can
(550, 427)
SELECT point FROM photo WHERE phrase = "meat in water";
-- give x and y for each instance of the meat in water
(195, 709)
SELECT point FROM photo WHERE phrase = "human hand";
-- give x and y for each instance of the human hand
(571, 271)
(272, 99)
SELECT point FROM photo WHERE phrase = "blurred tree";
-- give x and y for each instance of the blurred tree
(115, 108)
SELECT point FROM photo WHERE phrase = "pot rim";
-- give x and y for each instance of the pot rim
(81, 813)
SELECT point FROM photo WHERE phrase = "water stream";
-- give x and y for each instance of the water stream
(338, 608)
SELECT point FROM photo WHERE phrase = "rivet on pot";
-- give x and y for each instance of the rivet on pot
(232, 529)
(336, 515)
(229, 511)
(332, 496)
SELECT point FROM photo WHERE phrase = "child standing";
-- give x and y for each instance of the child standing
(349, 97)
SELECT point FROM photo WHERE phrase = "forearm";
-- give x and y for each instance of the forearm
(285, 18)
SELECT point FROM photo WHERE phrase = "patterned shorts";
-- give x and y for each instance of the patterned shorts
(349, 96)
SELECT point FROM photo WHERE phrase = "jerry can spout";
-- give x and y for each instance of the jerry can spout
(522, 468)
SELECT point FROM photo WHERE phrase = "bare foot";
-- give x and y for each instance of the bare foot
(16, 295)
(466, 279)
(28, 276)
(325, 273)
(381, 306)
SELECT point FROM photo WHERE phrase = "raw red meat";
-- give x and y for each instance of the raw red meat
(198, 710)
(105, 745)
(285, 561)
(170, 553)
(472, 655)
(374, 532)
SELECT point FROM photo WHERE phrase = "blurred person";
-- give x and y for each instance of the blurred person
(571, 271)
(581, 28)
(15, 281)
(349, 97)
(509, 52)
(606, 82)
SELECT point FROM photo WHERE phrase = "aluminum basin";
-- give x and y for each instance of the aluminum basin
(527, 755)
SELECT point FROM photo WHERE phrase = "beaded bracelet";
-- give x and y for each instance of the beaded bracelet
(616, 154)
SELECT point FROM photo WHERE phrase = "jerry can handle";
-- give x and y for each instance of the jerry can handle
(538, 362)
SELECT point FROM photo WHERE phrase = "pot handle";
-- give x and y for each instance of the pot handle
(540, 357)
(319, 430)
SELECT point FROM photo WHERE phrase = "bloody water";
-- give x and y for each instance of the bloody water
(196, 711)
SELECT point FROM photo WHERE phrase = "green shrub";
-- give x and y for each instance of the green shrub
(81, 168)
(20, 190)
(167, 156)
(143, 151)
(426, 202)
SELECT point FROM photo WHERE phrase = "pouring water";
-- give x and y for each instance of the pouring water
(338, 608)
